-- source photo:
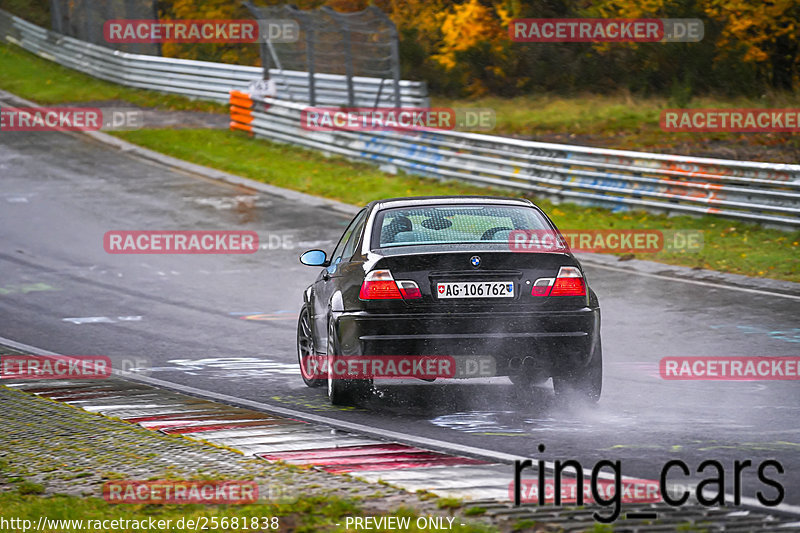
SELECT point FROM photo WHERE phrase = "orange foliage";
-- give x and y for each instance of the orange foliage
(466, 41)
(466, 25)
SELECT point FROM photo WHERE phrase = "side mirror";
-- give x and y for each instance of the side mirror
(314, 258)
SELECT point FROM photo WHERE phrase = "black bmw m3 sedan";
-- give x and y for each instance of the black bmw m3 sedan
(422, 278)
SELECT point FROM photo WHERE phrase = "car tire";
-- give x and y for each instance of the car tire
(343, 391)
(305, 348)
(585, 384)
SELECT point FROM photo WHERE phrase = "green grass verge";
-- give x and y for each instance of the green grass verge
(597, 114)
(627, 122)
(308, 514)
(729, 246)
(45, 82)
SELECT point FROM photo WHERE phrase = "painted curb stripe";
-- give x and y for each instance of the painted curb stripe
(326, 453)
(128, 414)
(97, 402)
(413, 455)
(125, 407)
(242, 435)
(222, 425)
(117, 405)
(191, 421)
(179, 423)
(309, 445)
(135, 419)
(390, 458)
(71, 398)
(277, 438)
(76, 391)
(441, 461)
(376, 457)
(32, 389)
(112, 400)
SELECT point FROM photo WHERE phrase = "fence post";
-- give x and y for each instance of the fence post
(395, 61)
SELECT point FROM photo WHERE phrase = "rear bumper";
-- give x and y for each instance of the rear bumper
(557, 340)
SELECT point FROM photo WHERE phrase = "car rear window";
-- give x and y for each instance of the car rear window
(413, 226)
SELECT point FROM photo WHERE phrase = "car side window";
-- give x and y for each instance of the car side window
(350, 247)
(338, 252)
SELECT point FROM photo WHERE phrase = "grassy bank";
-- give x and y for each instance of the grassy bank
(45, 82)
(627, 122)
(599, 114)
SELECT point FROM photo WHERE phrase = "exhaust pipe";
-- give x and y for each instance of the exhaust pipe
(529, 362)
(514, 363)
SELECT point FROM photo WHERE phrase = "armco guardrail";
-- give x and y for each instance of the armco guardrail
(331, 89)
(761, 192)
(197, 79)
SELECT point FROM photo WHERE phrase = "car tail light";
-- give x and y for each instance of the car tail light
(409, 289)
(569, 282)
(541, 287)
(380, 285)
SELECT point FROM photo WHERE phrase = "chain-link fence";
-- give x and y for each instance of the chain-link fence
(84, 20)
(364, 43)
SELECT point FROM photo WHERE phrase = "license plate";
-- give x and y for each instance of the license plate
(475, 289)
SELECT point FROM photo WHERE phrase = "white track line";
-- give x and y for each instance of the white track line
(369, 430)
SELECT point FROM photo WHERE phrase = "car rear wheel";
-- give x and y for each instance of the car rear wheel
(305, 350)
(585, 384)
(343, 391)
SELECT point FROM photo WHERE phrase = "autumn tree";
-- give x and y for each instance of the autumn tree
(768, 33)
(462, 48)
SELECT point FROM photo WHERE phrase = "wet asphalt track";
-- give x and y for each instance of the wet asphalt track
(226, 323)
